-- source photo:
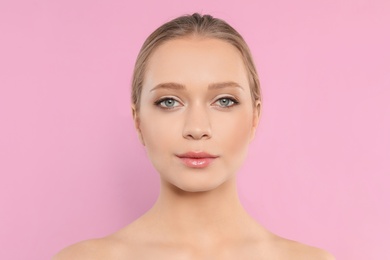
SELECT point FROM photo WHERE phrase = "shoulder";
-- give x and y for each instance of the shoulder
(94, 249)
(123, 244)
(89, 249)
(306, 252)
(295, 250)
(86, 250)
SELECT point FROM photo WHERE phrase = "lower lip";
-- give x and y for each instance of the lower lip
(197, 162)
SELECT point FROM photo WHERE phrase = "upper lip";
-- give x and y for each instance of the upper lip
(196, 155)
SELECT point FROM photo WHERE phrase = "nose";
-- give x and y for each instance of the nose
(197, 124)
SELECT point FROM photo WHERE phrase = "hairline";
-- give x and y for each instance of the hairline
(195, 35)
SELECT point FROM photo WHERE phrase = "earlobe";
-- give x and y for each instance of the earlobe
(256, 118)
(137, 124)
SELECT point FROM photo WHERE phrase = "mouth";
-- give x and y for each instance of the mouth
(197, 159)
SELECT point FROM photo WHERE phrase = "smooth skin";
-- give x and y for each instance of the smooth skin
(196, 97)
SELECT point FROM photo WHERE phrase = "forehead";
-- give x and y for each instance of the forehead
(195, 61)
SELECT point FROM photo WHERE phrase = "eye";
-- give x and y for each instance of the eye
(167, 103)
(226, 102)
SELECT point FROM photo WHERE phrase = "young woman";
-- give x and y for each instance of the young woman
(196, 105)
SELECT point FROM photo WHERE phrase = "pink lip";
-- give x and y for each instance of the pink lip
(197, 159)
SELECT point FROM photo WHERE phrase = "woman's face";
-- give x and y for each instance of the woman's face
(196, 116)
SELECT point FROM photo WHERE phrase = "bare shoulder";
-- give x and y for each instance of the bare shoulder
(295, 250)
(101, 248)
(122, 244)
(110, 247)
(306, 252)
(85, 250)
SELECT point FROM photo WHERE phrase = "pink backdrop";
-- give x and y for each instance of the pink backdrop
(72, 167)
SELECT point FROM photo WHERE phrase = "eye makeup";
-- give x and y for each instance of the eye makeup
(224, 102)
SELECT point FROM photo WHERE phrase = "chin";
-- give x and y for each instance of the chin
(198, 183)
(194, 189)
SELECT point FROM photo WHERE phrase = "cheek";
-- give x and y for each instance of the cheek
(233, 134)
(159, 132)
(232, 138)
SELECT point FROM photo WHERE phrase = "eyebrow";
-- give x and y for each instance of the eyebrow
(177, 86)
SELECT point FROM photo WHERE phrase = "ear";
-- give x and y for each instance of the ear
(137, 123)
(256, 118)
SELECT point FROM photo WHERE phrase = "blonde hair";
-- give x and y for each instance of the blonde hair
(187, 26)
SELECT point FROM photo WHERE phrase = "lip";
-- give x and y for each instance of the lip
(197, 159)
(197, 155)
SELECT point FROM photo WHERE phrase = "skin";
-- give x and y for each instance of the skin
(198, 214)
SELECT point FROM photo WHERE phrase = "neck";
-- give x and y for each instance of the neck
(208, 214)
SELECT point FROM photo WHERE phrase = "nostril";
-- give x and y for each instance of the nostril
(197, 135)
(197, 125)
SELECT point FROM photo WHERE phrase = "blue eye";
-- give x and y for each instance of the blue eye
(226, 102)
(170, 103)
(167, 103)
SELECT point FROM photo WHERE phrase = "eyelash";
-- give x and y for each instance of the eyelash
(230, 99)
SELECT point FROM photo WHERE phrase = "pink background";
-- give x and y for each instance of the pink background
(72, 167)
